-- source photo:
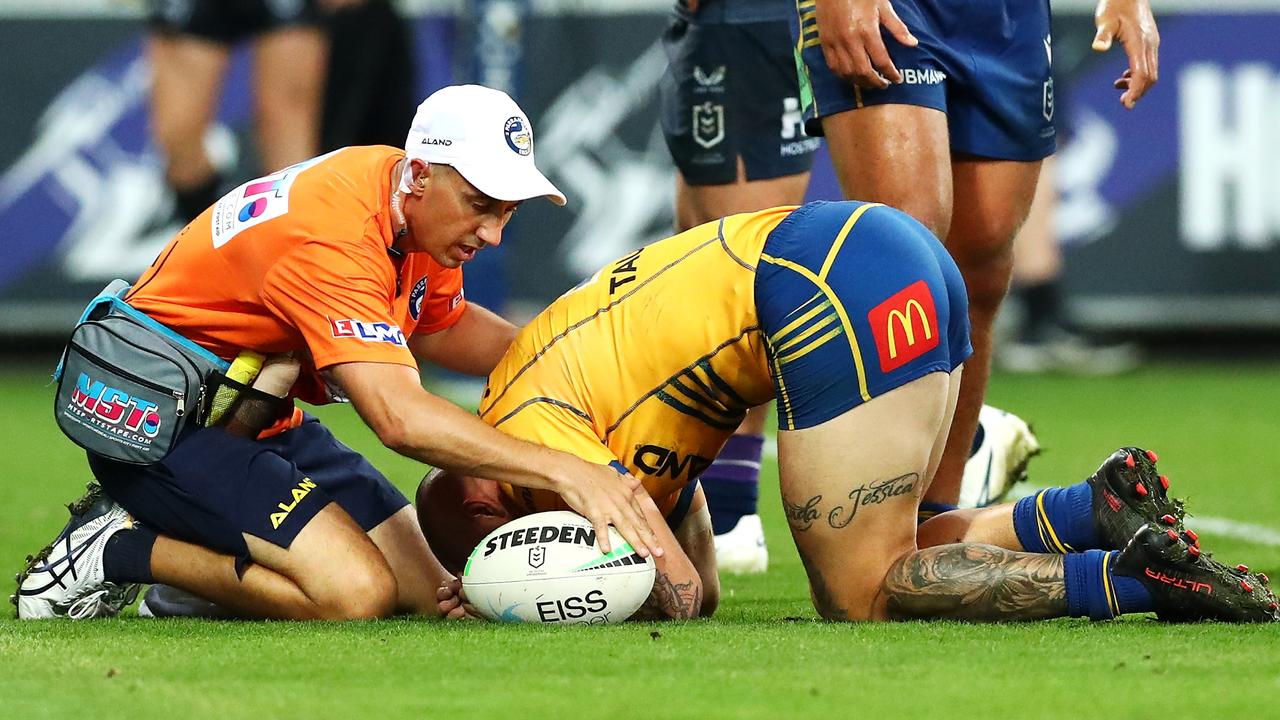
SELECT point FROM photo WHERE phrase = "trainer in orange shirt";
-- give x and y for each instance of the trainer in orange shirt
(351, 261)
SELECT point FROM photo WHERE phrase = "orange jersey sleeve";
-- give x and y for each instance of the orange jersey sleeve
(334, 294)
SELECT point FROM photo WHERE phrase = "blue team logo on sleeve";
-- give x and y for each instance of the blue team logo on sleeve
(519, 138)
(416, 297)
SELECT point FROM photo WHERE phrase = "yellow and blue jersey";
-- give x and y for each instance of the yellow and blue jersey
(655, 359)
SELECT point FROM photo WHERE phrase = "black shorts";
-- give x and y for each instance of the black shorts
(229, 21)
(730, 91)
(214, 487)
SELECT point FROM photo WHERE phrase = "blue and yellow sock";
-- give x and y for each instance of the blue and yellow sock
(929, 509)
(1096, 592)
(732, 483)
(1056, 520)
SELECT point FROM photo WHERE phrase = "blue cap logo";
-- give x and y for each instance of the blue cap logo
(519, 138)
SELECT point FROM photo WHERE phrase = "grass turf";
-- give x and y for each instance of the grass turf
(764, 655)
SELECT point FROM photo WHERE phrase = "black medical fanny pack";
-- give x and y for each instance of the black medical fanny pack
(127, 385)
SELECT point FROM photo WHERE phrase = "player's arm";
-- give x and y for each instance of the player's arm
(420, 425)
(473, 345)
(677, 586)
(1132, 23)
(851, 42)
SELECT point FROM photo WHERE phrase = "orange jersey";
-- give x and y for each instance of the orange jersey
(299, 260)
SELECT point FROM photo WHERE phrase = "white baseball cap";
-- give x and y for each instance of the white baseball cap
(482, 134)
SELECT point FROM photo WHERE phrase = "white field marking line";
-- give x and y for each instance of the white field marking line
(1226, 527)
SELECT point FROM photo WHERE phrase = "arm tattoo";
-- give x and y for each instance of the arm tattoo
(976, 582)
(671, 601)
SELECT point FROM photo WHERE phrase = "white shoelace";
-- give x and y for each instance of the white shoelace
(88, 606)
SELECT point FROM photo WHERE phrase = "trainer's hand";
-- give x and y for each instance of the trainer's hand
(1132, 23)
(851, 42)
(452, 601)
(607, 497)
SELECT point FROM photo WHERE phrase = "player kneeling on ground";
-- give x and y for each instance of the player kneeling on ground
(854, 317)
(351, 261)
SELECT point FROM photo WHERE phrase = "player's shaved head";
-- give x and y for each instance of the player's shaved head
(456, 512)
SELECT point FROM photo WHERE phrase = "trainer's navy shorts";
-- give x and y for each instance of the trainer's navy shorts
(229, 21)
(855, 299)
(213, 487)
(731, 91)
(985, 63)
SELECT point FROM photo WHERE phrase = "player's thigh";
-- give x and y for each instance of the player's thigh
(694, 535)
(417, 571)
(992, 200)
(895, 154)
(186, 82)
(852, 505)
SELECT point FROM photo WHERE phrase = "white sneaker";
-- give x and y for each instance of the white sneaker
(65, 579)
(1000, 461)
(742, 550)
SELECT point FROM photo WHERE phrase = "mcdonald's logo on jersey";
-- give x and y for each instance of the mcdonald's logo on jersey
(905, 326)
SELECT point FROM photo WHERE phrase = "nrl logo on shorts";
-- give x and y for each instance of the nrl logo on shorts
(715, 78)
(1047, 110)
(537, 556)
(708, 124)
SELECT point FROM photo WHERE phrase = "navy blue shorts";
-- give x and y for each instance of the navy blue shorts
(855, 299)
(985, 63)
(228, 21)
(213, 487)
(730, 92)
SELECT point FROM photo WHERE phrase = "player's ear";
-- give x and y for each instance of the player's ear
(421, 173)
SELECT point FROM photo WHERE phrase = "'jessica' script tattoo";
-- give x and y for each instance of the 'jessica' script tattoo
(801, 517)
(873, 494)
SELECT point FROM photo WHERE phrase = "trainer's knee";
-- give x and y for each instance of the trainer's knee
(364, 593)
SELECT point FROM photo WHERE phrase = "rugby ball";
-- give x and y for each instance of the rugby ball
(548, 568)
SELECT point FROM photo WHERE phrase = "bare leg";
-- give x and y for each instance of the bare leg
(417, 571)
(992, 198)
(840, 495)
(330, 571)
(289, 72)
(186, 81)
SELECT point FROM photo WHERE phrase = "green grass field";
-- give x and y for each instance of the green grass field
(764, 654)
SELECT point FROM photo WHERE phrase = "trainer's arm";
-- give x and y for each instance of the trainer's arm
(417, 424)
(473, 345)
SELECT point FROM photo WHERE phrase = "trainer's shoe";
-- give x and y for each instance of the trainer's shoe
(742, 550)
(1007, 445)
(65, 579)
(165, 601)
(1187, 585)
(1128, 492)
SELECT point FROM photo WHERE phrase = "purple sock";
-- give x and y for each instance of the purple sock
(732, 483)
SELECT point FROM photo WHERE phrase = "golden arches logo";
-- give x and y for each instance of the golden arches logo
(903, 317)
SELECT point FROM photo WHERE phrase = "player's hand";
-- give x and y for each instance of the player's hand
(1131, 22)
(452, 601)
(607, 497)
(851, 42)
